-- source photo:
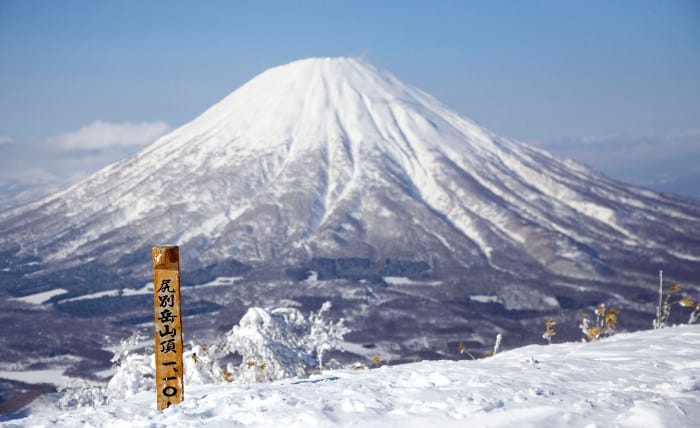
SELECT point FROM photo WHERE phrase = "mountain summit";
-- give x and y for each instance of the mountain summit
(334, 166)
(333, 157)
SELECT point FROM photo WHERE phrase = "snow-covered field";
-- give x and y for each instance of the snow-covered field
(645, 379)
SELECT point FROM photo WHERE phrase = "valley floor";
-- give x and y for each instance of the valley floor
(645, 379)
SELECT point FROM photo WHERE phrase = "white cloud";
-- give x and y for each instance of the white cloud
(36, 168)
(105, 135)
(6, 139)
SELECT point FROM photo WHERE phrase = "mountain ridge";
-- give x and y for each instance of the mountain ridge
(361, 136)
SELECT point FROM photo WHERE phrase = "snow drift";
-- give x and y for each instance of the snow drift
(649, 379)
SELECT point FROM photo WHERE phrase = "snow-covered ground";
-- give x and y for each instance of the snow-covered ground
(43, 297)
(645, 379)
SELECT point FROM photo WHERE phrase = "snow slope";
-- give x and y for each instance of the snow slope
(646, 379)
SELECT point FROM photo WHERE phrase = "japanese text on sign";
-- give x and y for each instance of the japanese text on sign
(168, 327)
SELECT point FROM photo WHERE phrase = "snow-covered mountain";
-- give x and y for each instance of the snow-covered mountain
(335, 158)
(429, 227)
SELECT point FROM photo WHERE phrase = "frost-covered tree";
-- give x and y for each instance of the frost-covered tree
(273, 344)
(134, 372)
(497, 345)
(270, 344)
(201, 366)
(282, 342)
(81, 393)
(324, 335)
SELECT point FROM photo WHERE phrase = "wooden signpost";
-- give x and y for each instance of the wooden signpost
(168, 322)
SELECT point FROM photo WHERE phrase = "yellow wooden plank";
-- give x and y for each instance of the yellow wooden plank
(168, 326)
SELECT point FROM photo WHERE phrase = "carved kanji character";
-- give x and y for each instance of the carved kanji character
(167, 301)
(166, 315)
(167, 346)
(168, 331)
(165, 286)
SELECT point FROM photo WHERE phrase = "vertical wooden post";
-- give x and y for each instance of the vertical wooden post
(168, 326)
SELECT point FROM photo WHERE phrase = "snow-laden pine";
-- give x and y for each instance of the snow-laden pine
(268, 344)
(273, 344)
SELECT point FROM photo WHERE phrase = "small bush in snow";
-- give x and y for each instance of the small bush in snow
(687, 302)
(663, 309)
(80, 393)
(324, 335)
(497, 344)
(272, 344)
(496, 347)
(549, 330)
(202, 367)
(133, 373)
(462, 348)
(376, 360)
(604, 325)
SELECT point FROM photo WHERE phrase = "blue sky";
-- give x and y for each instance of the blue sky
(615, 84)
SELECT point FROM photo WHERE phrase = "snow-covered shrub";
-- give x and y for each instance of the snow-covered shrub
(496, 347)
(201, 367)
(134, 374)
(604, 325)
(80, 393)
(281, 342)
(687, 302)
(272, 344)
(497, 344)
(663, 309)
(462, 348)
(549, 330)
(324, 335)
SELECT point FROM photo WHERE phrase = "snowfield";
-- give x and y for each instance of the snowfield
(644, 379)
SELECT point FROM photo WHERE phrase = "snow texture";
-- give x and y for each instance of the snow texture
(646, 379)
